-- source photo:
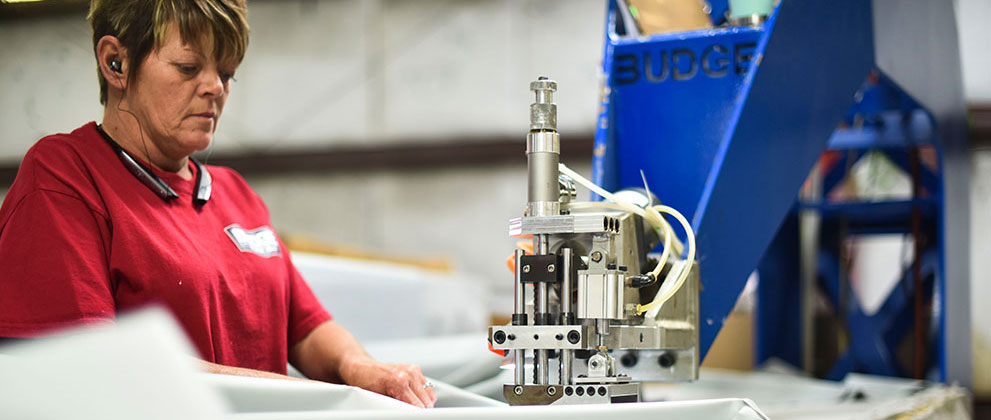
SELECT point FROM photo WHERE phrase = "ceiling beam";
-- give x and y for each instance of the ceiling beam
(35, 9)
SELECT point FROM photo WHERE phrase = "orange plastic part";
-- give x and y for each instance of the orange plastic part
(526, 246)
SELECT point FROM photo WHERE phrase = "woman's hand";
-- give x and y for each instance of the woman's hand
(405, 383)
(331, 354)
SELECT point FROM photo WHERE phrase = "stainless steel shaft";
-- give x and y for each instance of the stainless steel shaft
(565, 359)
(519, 308)
(541, 303)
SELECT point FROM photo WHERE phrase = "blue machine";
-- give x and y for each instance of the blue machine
(727, 123)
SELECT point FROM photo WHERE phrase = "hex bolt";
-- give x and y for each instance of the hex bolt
(597, 256)
(518, 390)
(526, 268)
(550, 268)
(574, 336)
(551, 391)
(499, 337)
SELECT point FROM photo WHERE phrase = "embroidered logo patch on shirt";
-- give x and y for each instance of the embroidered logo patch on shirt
(260, 241)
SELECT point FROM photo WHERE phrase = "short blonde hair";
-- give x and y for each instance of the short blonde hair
(141, 26)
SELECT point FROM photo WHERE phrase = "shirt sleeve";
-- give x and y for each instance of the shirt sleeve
(53, 250)
(305, 310)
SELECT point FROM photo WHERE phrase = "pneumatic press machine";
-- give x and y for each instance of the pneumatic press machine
(596, 311)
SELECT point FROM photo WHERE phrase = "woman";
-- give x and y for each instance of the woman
(118, 215)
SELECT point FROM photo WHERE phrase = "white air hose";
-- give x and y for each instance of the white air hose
(652, 214)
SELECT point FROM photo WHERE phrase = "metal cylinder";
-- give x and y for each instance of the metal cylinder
(602, 329)
(519, 295)
(543, 111)
(540, 367)
(545, 96)
(540, 247)
(566, 259)
(543, 187)
(565, 373)
(543, 151)
(519, 366)
(519, 307)
(542, 173)
(543, 116)
(540, 302)
(565, 359)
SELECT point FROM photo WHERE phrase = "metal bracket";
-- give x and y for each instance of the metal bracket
(567, 337)
(539, 269)
(571, 394)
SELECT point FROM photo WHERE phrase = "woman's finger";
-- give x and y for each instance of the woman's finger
(432, 395)
(409, 397)
(426, 392)
(418, 384)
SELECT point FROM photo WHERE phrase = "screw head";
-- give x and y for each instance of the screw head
(551, 390)
(596, 256)
(666, 359)
(550, 268)
(629, 360)
(526, 268)
(594, 364)
(518, 390)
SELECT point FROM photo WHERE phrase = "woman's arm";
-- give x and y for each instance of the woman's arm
(330, 353)
(211, 367)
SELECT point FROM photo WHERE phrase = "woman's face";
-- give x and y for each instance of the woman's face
(179, 94)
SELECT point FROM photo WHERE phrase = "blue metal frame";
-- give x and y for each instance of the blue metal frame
(874, 337)
(731, 148)
(893, 126)
(713, 134)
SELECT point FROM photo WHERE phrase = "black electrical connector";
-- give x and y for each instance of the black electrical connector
(643, 280)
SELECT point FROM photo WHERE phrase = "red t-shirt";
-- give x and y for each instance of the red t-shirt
(82, 239)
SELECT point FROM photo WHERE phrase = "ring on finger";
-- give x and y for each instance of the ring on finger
(427, 385)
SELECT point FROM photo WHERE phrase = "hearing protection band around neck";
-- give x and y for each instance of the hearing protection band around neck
(202, 189)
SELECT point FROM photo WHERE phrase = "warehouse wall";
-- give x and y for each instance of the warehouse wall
(343, 72)
(980, 287)
(972, 17)
(325, 74)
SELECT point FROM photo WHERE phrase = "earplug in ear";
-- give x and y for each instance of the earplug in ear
(115, 66)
